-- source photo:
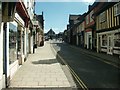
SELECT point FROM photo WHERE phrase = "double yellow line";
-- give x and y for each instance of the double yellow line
(80, 82)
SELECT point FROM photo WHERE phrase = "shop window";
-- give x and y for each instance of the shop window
(23, 40)
(104, 40)
(117, 39)
(18, 43)
(12, 43)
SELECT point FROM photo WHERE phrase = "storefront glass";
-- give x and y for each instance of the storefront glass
(117, 40)
(12, 42)
(104, 40)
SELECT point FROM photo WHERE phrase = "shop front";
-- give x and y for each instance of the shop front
(13, 52)
(88, 38)
(109, 42)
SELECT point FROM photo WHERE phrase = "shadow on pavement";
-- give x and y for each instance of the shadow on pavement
(49, 61)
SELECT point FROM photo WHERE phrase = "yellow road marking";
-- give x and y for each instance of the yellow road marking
(83, 86)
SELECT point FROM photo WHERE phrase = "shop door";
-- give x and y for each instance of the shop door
(90, 42)
(109, 47)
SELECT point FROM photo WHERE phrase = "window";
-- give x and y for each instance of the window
(87, 19)
(117, 39)
(104, 40)
(103, 17)
(83, 26)
(19, 43)
(27, 4)
(12, 43)
(91, 13)
(117, 9)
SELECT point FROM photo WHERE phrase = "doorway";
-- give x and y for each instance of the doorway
(109, 45)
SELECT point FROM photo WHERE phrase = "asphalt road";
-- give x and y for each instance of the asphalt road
(93, 72)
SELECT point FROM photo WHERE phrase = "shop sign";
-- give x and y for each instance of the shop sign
(19, 18)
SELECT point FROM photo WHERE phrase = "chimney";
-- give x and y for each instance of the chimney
(89, 7)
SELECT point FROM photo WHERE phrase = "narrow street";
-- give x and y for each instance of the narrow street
(93, 72)
(59, 45)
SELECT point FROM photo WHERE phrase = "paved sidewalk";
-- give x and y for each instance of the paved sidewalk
(41, 70)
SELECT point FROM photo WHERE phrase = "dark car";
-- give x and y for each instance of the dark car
(46, 38)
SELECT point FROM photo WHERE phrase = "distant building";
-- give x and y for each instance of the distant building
(40, 30)
(51, 34)
(73, 19)
(40, 18)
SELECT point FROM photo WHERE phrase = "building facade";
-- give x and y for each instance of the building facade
(108, 28)
(80, 28)
(90, 31)
(15, 28)
(98, 30)
(73, 20)
(40, 30)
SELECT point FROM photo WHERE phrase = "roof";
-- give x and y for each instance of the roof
(50, 32)
(104, 6)
(74, 17)
(80, 19)
(39, 18)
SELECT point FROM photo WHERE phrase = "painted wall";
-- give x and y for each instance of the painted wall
(1, 55)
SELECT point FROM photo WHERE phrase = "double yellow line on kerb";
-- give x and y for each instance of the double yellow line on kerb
(80, 82)
(83, 86)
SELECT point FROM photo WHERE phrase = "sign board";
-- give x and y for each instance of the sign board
(19, 18)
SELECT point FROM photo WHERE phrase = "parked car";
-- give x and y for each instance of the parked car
(46, 38)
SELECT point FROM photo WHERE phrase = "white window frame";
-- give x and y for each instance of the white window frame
(116, 38)
(103, 17)
(104, 40)
(117, 9)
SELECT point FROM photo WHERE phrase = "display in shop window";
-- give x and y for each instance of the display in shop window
(104, 40)
(117, 40)
(12, 42)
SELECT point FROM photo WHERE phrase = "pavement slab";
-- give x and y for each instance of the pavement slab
(41, 70)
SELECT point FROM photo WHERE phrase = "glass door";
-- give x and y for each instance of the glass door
(110, 46)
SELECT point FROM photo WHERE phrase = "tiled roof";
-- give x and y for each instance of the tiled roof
(74, 17)
(50, 32)
(39, 18)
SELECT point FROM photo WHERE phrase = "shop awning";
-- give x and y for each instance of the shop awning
(22, 11)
